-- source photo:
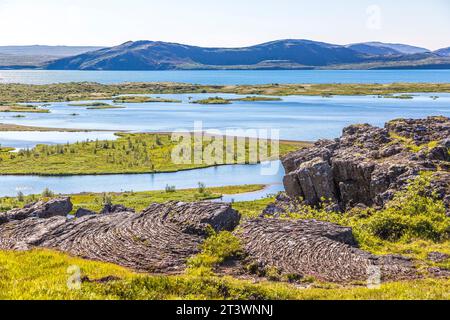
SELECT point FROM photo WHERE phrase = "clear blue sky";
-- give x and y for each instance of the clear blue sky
(229, 23)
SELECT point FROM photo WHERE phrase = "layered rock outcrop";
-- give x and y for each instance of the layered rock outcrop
(323, 250)
(367, 165)
(160, 239)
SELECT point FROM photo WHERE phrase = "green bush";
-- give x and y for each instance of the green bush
(412, 214)
(218, 248)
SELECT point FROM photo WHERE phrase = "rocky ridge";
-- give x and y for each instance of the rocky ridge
(367, 165)
(159, 239)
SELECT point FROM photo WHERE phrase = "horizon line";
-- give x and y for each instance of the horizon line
(222, 47)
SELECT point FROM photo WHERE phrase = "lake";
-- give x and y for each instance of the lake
(297, 117)
(231, 175)
(217, 77)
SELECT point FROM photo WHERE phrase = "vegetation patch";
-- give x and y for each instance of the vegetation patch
(213, 100)
(131, 199)
(142, 99)
(63, 92)
(48, 275)
(414, 223)
(23, 108)
(130, 153)
(15, 127)
(218, 248)
(411, 145)
(96, 106)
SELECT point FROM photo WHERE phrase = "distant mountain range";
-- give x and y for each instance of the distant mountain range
(34, 56)
(282, 54)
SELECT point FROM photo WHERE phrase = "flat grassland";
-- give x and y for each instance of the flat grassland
(43, 274)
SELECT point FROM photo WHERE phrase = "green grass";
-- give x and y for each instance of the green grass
(217, 248)
(13, 93)
(23, 108)
(212, 100)
(130, 153)
(14, 127)
(96, 106)
(411, 145)
(252, 209)
(135, 200)
(43, 275)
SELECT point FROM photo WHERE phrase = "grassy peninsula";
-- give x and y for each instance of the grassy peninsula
(130, 153)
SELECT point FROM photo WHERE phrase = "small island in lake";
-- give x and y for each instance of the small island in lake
(141, 99)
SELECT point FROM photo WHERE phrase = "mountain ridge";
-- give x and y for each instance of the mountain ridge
(278, 54)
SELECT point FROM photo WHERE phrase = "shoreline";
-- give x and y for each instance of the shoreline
(79, 91)
(128, 173)
(5, 127)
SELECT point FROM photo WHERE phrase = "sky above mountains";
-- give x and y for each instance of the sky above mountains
(230, 23)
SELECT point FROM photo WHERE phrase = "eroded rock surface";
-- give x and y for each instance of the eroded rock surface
(312, 248)
(367, 165)
(160, 239)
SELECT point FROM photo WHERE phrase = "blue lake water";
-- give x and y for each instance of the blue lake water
(227, 76)
(232, 175)
(24, 140)
(296, 117)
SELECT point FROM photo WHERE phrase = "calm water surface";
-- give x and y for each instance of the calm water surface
(212, 177)
(218, 77)
(297, 118)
